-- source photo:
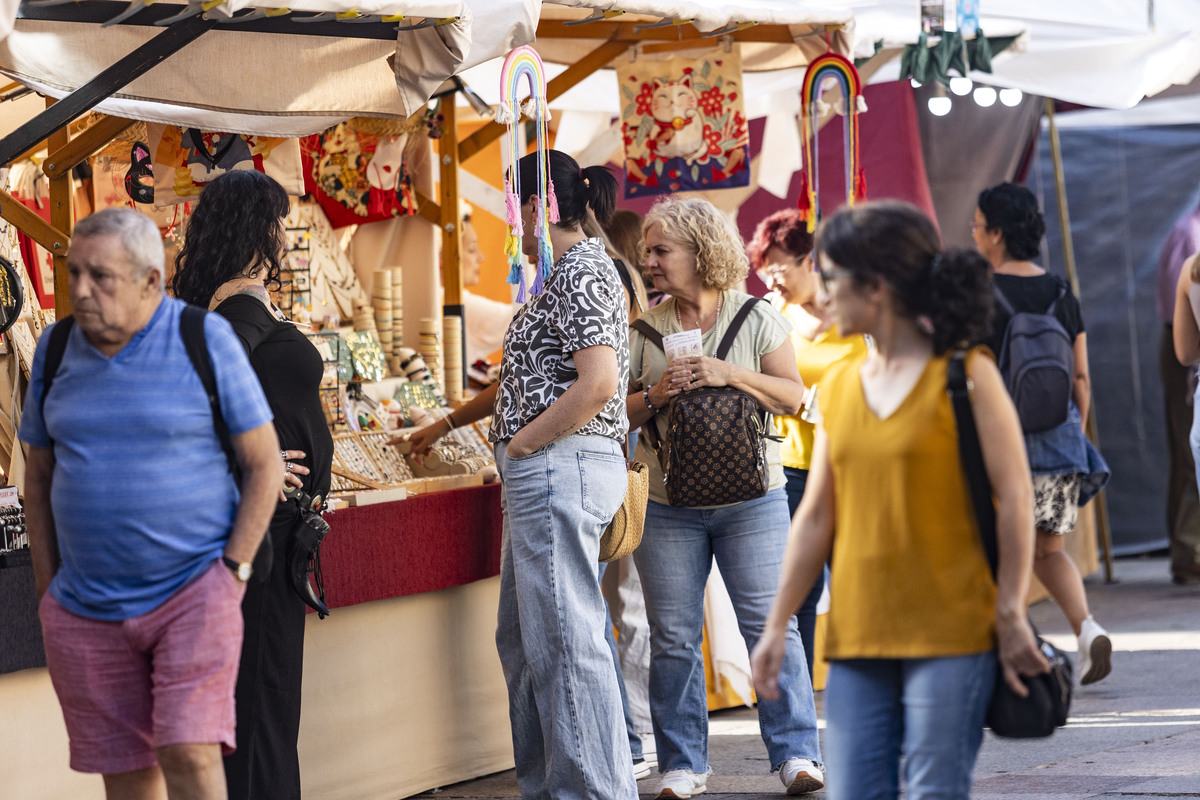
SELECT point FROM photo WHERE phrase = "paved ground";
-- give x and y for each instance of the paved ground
(1134, 735)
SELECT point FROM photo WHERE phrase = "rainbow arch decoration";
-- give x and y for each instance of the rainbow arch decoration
(842, 70)
(524, 64)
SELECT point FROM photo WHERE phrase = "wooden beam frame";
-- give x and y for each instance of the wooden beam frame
(66, 158)
(33, 226)
(597, 59)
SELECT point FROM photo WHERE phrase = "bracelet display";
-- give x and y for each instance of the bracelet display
(646, 397)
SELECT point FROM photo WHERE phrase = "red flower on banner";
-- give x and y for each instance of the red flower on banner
(712, 101)
(713, 137)
(643, 100)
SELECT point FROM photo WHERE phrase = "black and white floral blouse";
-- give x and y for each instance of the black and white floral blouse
(582, 305)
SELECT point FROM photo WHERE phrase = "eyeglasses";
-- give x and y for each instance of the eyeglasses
(779, 269)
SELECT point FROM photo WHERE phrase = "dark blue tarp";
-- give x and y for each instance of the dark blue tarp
(1125, 188)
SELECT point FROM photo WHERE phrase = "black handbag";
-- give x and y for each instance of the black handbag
(1049, 698)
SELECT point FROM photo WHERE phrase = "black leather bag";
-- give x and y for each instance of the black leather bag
(1049, 699)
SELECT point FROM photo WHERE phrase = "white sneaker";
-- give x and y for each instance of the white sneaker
(801, 776)
(1095, 653)
(683, 783)
(640, 769)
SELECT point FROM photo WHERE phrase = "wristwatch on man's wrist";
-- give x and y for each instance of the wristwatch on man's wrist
(242, 570)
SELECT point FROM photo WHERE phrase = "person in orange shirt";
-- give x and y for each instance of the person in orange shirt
(915, 616)
(781, 254)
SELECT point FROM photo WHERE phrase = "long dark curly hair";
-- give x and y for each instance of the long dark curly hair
(235, 229)
(894, 242)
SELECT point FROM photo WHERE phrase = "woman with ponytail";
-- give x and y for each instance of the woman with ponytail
(915, 616)
(1068, 471)
(558, 427)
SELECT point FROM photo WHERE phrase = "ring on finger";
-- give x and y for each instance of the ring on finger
(287, 465)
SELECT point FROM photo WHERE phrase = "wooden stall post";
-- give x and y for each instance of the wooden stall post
(1093, 430)
(61, 217)
(452, 302)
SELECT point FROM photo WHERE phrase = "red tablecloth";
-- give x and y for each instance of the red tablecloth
(422, 544)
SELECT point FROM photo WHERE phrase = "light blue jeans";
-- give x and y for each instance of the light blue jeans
(674, 559)
(568, 731)
(930, 710)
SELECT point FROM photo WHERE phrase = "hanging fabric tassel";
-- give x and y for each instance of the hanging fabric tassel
(552, 200)
(860, 187)
(807, 203)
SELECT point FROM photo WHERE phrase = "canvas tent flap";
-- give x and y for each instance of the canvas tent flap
(710, 15)
(1102, 53)
(797, 33)
(265, 83)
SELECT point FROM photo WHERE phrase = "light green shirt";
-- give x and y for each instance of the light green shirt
(764, 331)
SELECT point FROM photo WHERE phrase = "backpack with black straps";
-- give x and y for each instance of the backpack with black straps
(714, 451)
(1037, 360)
(191, 330)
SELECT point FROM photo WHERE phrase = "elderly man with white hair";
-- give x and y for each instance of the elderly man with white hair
(142, 540)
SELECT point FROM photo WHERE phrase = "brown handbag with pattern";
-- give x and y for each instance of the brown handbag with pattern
(715, 449)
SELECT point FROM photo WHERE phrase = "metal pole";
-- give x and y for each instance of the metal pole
(1093, 432)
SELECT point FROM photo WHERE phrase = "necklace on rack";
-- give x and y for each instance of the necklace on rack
(679, 316)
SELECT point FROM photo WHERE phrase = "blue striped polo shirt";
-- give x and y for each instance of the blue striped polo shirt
(142, 495)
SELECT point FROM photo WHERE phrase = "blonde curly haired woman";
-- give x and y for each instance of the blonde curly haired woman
(694, 254)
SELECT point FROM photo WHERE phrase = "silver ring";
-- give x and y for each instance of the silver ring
(287, 465)
(283, 454)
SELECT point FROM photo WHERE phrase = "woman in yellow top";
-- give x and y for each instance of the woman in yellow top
(781, 254)
(914, 615)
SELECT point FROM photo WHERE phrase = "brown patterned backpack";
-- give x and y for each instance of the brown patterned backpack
(715, 449)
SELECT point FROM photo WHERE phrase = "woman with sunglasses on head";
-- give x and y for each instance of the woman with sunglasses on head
(1067, 470)
(915, 615)
(558, 424)
(781, 254)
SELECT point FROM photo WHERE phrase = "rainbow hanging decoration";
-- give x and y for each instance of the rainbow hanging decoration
(836, 67)
(524, 62)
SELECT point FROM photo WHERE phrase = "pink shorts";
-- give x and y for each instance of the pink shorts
(165, 677)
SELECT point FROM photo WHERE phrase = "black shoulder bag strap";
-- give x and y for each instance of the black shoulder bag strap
(191, 329)
(971, 454)
(723, 349)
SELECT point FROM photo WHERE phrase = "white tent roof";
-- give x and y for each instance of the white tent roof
(276, 84)
(1103, 53)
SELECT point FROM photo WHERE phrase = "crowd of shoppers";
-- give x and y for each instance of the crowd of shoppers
(849, 362)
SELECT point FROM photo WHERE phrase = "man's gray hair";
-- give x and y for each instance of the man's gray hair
(137, 232)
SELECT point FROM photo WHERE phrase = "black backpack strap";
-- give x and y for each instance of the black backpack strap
(736, 325)
(1062, 292)
(57, 346)
(1004, 304)
(191, 329)
(971, 454)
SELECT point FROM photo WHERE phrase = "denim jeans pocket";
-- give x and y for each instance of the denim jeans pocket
(603, 483)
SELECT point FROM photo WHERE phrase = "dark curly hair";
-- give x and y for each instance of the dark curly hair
(234, 229)
(896, 243)
(786, 230)
(575, 188)
(1013, 210)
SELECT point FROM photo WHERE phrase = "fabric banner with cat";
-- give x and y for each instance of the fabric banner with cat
(683, 122)
(185, 160)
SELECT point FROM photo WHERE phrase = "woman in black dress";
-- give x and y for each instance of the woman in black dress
(231, 256)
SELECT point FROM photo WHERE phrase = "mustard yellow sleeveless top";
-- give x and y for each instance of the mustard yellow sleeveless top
(813, 358)
(909, 579)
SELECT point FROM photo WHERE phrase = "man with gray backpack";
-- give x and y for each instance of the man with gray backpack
(1039, 339)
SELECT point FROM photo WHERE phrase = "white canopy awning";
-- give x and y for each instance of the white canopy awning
(1103, 53)
(273, 84)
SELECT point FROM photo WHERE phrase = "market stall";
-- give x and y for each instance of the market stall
(411, 581)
